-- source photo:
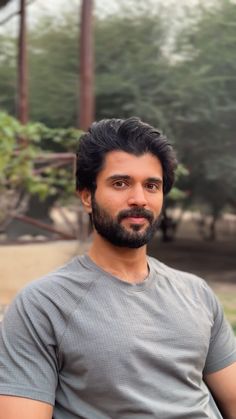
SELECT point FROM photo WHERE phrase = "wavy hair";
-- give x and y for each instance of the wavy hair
(130, 135)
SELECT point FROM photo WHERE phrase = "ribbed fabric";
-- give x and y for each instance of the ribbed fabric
(97, 347)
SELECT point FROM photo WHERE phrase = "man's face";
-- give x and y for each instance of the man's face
(127, 203)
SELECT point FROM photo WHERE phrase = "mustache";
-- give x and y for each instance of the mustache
(135, 212)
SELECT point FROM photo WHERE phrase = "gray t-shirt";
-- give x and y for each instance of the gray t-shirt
(97, 347)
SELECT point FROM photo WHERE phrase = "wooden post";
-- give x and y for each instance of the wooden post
(22, 91)
(86, 95)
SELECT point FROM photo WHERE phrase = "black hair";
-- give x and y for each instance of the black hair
(130, 135)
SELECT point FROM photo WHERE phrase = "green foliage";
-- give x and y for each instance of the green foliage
(54, 64)
(23, 167)
(189, 92)
(9, 132)
(7, 73)
(177, 194)
(203, 106)
(131, 68)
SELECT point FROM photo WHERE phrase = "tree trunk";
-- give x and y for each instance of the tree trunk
(86, 102)
(212, 229)
(22, 100)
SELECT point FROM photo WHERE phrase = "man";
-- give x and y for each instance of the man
(114, 333)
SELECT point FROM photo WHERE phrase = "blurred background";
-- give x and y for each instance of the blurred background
(64, 64)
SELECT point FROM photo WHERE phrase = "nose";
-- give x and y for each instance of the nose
(137, 196)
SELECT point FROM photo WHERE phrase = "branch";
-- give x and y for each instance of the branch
(2, 22)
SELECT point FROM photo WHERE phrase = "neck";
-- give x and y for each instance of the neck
(127, 264)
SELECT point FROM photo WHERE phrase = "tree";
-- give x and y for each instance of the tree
(203, 107)
(7, 69)
(131, 69)
(8, 74)
(22, 69)
(132, 72)
(3, 3)
(86, 104)
(31, 175)
(54, 72)
(189, 92)
(22, 88)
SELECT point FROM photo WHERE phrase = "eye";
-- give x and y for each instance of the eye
(152, 187)
(119, 184)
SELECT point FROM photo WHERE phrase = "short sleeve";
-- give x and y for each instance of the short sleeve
(222, 348)
(28, 354)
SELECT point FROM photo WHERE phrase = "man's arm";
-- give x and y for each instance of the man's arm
(12, 407)
(222, 385)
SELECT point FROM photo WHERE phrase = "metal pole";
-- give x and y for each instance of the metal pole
(86, 101)
(22, 100)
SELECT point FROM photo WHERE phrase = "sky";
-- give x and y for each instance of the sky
(54, 7)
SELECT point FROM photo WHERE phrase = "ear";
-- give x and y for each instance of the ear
(86, 199)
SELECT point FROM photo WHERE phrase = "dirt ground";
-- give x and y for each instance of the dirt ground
(214, 261)
(22, 263)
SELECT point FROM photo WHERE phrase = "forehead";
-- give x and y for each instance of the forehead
(119, 162)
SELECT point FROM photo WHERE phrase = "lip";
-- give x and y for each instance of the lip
(136, 220)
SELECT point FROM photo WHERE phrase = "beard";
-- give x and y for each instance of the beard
(113, 231)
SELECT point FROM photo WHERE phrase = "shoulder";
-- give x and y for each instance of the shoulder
(175, 275)
(51, 299)
(60, 283)
(187, 283)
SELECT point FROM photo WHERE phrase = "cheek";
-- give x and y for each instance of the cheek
(109, 203)
(113, 207)
(157, 205)
(161, 202)
(111, 200)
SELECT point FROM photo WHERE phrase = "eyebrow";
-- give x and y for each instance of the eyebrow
(155, 180)
(126, 177)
